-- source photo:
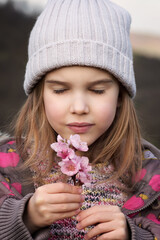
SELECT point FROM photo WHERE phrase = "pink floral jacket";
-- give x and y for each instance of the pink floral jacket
(142, 210)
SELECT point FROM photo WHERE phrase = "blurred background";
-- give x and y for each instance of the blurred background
(16, 21)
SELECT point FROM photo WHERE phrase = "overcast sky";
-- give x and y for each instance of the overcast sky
(145, 13)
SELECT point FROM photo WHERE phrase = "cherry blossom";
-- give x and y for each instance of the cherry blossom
(72, 165)
(76, 142)
(84, 177)
(84, 164)
(62, 149)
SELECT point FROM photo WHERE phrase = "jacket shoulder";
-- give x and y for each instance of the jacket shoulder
(8, 154)
(150, 147)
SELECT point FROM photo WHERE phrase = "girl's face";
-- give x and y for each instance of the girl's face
(80, 100)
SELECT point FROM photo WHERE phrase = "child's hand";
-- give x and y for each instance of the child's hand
(50, 203)
(109, 221)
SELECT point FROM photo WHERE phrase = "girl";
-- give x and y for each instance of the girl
(79, 80)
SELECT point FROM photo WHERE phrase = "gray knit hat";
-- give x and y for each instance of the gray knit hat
(81, 32)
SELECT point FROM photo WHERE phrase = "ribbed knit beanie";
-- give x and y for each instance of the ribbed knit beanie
(81, 32)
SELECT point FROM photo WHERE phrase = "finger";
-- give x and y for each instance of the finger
(116, 235)
(100, 217)
(50, 218)
(60, 188)
(65, 198)
(47, 211)
(100, 229)
(94, 219)
(106, 209)
(58, 216)
(62, 208)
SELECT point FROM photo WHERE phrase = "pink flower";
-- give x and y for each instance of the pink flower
(84, 164)
(62, 149)
(84, 177)
(76, 142)
(70, 167)
(59, 146)
(72, 164)
(66, 153)
(60, 139)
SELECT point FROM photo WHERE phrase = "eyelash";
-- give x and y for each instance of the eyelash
(60, 91)
(98, 91)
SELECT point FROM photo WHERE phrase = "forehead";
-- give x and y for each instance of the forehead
(78, 73)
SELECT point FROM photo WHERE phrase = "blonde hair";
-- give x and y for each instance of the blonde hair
(121, 144)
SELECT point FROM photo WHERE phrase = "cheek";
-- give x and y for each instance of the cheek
(53, 109)
(106, 114)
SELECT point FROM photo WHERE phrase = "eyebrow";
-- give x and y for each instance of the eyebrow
(107, 80)
(102, 81)
(56, 82)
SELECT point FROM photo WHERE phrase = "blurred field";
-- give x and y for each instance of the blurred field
(15, 28)
(147, 45)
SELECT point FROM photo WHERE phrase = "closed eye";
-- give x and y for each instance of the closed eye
(59, 91)
(97, 91)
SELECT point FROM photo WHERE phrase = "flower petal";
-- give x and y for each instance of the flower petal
(84, 177)
(77, 143)
(70, 167)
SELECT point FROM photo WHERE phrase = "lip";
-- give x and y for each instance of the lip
(79, 127)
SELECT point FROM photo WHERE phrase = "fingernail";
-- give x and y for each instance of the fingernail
(80, 190)
(78, 218)
(82, 198)
(78, 226)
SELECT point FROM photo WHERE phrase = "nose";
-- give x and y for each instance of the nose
(79, 105)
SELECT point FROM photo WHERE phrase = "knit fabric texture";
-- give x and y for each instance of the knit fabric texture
(81, 32)
(98, 192)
